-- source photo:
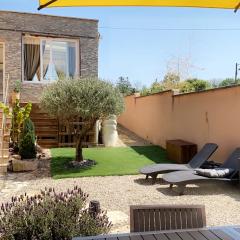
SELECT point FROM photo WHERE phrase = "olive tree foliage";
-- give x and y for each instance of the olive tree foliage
(89, 99)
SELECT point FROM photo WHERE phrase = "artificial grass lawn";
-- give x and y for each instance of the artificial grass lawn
(110, 161)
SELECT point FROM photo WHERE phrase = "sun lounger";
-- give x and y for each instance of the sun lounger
(200, 158)
(182, 178)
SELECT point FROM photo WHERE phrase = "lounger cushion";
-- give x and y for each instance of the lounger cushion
(215, 173)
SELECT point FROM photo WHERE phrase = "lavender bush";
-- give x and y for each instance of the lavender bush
(50, 215)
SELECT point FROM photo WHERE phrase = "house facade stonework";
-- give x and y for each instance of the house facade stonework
(14, 27)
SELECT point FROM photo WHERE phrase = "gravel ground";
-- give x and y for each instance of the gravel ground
(115, 194)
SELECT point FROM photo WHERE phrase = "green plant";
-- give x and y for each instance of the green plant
(156, 87)
(19, 115)
(5, 108)
(185, 87)
(27, 147)
(228, 82)
(28, 126)
(89, 99)
(194, 85)
(17, 86)
(145, 91)
(50, 216)
(170, 81)
(124, 86)
(198, 84)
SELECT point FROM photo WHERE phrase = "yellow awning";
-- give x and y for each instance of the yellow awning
(228, 4)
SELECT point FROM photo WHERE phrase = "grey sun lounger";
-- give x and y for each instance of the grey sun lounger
(182, 178)
(197, 161)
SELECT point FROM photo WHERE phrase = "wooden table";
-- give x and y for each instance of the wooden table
(215, 233)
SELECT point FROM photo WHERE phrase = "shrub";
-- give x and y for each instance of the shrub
(125, 86)
(198, 84)
(145, 91)
(50, 215)
(185, 87)
(88, 98)
(27, 147)
(170, 81)
(228, 82)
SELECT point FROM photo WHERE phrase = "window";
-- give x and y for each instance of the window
(48, 59)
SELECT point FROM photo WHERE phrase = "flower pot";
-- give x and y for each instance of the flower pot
(15, 96)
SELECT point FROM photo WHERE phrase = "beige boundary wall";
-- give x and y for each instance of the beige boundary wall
(208, 116)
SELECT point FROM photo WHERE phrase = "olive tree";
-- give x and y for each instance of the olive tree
(89, 99)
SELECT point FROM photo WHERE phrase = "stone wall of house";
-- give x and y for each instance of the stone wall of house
(13, 55)
(14, 25)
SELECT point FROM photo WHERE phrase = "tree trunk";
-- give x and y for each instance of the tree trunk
(80, 136)
(79, 154)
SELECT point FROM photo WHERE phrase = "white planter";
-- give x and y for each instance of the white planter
(109, 130)
(97, 129)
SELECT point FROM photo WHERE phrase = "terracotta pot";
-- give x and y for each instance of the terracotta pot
(15, 96)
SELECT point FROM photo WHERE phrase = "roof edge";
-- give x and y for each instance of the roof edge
(50, 15)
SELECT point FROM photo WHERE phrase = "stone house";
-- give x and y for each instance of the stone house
(38, 49)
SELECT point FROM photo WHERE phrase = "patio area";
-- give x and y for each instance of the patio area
(116, 193)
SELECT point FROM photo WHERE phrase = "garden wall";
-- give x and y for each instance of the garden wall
(208, 116)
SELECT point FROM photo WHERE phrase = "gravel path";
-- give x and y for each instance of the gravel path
(128, 138)
(117, 193)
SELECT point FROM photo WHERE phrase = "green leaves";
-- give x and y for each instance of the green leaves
(17, 86)
(125, 86)
(27, 148)
(19, 115)
(87, 98)
(194, 85)
(5, 109)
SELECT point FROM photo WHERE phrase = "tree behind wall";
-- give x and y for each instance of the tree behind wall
(89, 99)
(229, 82)
(124, 86)
(170, 81)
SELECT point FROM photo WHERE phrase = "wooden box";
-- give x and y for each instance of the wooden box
(180, 151)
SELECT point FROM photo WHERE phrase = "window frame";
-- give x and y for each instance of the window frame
(51, 39)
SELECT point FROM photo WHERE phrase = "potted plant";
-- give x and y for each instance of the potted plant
(16, 91)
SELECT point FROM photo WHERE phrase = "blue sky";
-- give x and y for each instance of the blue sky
(132, 45)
